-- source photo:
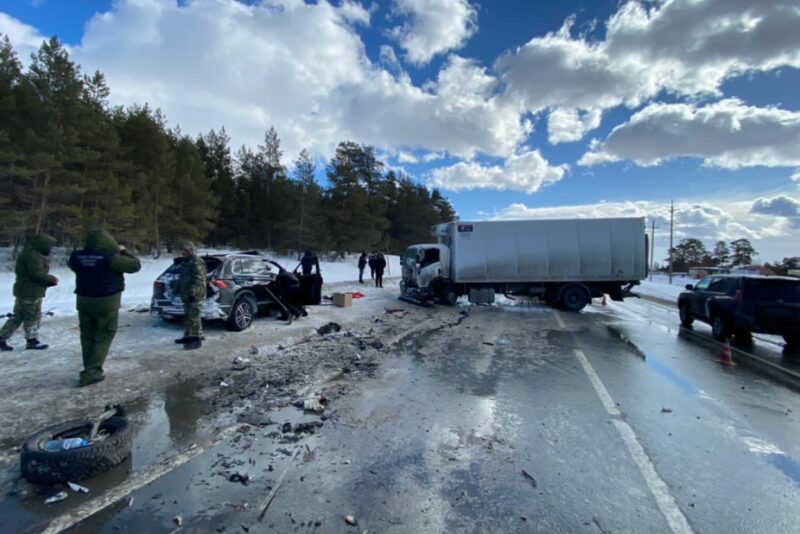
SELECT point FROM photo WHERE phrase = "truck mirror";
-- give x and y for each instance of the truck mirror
(690, 287)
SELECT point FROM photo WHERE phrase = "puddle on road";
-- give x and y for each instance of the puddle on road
(162, 423)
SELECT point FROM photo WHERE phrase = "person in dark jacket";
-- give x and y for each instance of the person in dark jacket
(371, 262)
(380, 265)
(99, 282)
(288, 289)
(308, 262)
(192, 290)
(33, 279)
(362, 263)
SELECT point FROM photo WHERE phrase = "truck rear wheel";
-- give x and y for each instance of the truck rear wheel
(574, 298)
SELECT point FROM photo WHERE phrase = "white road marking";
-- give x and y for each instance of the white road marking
(142, 479)
(666, 502)
(560, 321)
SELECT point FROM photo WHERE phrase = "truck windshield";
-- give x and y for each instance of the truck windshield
(410, 258)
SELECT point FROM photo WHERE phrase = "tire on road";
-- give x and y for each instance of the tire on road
(46, 468)
(573, 298)
(243, 312)
(720, 327)
(448, 297)
(686, 316)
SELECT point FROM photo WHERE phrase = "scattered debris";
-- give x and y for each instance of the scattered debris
(350, 520)
(488, 343)
(240, 364)
(358, 295)
(77, 488)
(274, 491)
(503, 342)
(394, 310)
(178, 520)
(329, 328)
(254, 350)
(529, 477)
(58, 497)
(242, 478)
(223, 384)
(309, 427)
(255, 419)
(130, 501)
(286, 428)
(314, 404)
(666, 409)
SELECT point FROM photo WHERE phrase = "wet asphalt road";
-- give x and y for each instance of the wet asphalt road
(623, 422)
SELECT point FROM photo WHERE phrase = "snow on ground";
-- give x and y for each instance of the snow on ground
(660, 287)
(60, 300)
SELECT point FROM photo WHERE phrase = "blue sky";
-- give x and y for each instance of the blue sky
(512, 108)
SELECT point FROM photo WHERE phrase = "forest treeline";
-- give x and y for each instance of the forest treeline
(69, 161)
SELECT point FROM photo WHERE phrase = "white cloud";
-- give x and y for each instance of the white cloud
(389, 59)
(727, 134)
(773, 237)
(569, 124)
(527, 172)
(796, 176)
(434, 27)
(780, 206)
(300, 67)
(24, 38)
(687, 47)
(407, 157)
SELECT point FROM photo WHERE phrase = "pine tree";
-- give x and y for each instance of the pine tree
(720, 255)
(742, 252)
(215, 152)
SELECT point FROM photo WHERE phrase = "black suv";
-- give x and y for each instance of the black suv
(237, 289)
(740, 305)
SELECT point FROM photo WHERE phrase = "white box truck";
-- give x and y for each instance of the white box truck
(565, 262)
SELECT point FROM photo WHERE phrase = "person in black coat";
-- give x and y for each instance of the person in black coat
(371, 262)
(308, 262)
(380, 265)
(288, 287)
(362, 263)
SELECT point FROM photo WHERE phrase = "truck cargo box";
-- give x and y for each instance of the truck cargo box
(560, 250)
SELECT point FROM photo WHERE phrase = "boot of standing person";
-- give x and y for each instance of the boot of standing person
(192, 288)
(32, 280)
(99, 282)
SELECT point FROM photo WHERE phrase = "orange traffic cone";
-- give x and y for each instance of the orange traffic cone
(726, 358)
(605, 302)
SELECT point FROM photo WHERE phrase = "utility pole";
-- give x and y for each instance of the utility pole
(652, 248)
(671, 224)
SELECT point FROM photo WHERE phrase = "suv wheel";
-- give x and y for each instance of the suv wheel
(720, 328)
(242, 314)
(686, 316)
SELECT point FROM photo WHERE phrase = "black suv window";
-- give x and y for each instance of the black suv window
(702, 285)
(730, 286)
(717, 285)
(773, 290)
(249, 266)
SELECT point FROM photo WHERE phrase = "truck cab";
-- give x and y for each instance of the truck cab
(426, 270)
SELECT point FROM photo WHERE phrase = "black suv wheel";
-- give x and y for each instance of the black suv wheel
(720, 328)
(686, 316)
(242, 313)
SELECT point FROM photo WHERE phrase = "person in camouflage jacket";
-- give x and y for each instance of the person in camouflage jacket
(33, 279)
(192, 290)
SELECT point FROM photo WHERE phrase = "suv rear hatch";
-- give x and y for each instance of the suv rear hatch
(776, 303)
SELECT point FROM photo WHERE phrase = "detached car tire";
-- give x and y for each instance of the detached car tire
(243, 312)
(46, 468)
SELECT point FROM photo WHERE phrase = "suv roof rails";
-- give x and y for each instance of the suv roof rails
(249, 253)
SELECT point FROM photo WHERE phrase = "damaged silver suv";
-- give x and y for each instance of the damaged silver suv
(237, 289)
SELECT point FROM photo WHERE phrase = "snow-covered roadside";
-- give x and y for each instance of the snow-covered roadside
(60, 300)
(662, 289)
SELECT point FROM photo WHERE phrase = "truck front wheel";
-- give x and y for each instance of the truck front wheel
(574, 298)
